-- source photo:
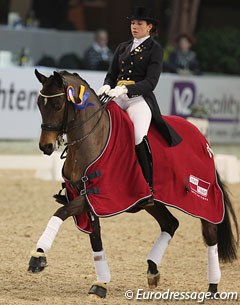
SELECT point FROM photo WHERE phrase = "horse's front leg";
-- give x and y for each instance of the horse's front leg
(99, 288)
(38, 259)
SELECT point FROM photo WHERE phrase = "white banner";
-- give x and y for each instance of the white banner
(219, 95)
(20, 118)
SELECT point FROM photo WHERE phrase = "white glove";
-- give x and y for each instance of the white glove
(117, 91)
(104, 90)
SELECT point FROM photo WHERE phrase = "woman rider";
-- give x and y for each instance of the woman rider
(131, 79)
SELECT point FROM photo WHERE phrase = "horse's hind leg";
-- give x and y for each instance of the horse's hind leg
(168, 224)
(209, 232)
(99, 288)
(38, 260)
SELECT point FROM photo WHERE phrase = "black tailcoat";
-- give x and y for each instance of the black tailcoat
(143, 65)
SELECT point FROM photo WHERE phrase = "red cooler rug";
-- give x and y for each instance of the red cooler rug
(184, 175)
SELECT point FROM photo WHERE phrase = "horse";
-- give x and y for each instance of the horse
(69, 106)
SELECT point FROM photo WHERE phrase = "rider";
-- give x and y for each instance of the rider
(131, 79)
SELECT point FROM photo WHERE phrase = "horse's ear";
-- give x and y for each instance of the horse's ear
(42, 78)
(58, 78)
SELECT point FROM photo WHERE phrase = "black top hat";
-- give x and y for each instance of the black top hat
(143, 13)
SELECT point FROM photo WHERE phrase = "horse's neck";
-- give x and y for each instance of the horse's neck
(83, 152)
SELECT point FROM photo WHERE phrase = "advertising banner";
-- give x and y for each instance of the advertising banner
(217, 96)
(176, 95)
(19, 88)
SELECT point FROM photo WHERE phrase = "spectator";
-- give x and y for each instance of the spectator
(182, 59)
(98, 56)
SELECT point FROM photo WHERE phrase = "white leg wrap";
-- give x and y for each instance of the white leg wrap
(214, 273)
(48, 236)
(101, 267)
(159, 248)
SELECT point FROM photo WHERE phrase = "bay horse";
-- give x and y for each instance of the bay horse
(69, 106)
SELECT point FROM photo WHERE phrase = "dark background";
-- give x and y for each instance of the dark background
(215, 24)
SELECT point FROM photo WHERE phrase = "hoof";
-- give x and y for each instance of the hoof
(153, 280)
(213, 289)
(37, 262)
(98, 290)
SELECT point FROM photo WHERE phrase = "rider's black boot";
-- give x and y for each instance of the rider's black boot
(144, 155)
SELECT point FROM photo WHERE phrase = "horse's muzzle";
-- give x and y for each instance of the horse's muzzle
(47, 149)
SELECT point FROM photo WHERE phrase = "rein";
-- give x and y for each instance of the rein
(102, 107)
(91, 131)
(106, 100)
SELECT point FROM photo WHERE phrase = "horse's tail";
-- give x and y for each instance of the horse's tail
(227, 244)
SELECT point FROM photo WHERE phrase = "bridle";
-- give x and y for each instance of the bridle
(54, 95)
(63, 128)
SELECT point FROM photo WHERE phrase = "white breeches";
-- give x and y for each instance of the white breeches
(139, 113)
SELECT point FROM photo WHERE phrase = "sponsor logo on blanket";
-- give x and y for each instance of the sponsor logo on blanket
(199, 186)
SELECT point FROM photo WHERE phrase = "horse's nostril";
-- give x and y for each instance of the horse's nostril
(47, 148)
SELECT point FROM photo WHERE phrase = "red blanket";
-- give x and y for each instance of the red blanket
(184, 175)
